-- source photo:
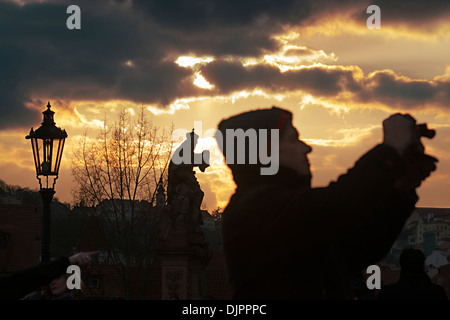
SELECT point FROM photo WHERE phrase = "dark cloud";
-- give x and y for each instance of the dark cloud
(382, 86)
(415, 14)
(401, 92)
(223, 27)
(41, 58)
(233, 76)
(197, 15)
(413, 11)
(299, 52)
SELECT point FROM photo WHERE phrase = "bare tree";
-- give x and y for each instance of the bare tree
(119, 173)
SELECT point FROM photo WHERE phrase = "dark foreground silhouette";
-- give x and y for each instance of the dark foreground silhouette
(22, 282)
(286, 240)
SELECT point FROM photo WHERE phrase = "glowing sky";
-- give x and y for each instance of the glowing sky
(206, 60)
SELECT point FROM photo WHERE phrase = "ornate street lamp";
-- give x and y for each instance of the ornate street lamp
(48, 144)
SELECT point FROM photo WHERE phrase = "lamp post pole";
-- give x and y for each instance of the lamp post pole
(47, 197)
(47, 143)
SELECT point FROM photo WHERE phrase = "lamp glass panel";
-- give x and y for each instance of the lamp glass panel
(46, 165)
(34, 145)
(59, 154)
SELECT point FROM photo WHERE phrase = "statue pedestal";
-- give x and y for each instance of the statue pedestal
(182, 264)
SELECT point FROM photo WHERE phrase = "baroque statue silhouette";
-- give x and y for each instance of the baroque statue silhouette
(184, 195)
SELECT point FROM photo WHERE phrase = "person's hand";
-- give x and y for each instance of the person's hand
(82, 258)
(418, 167)
(400, 132)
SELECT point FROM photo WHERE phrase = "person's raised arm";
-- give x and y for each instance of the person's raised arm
(349, 201)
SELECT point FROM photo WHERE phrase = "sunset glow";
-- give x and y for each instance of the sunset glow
(338, 78)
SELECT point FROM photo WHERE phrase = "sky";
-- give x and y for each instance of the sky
(194, 63)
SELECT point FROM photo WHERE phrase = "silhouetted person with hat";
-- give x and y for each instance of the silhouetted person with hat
(285, 240)
(414, 283)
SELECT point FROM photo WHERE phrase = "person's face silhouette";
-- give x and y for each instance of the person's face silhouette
(58, 286)
(293, 151)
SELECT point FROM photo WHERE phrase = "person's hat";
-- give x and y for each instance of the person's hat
(270, 118)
